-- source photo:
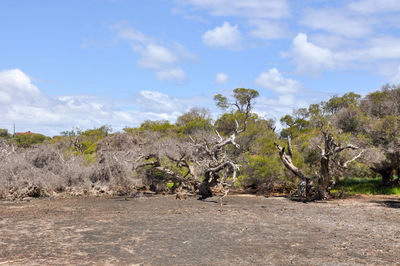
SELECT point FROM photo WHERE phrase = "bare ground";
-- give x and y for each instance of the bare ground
(161, 230)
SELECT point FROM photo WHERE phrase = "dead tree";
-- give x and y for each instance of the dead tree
(328, 159)
(213, 154)
(328, 152)
(204, 154)
(304, 186)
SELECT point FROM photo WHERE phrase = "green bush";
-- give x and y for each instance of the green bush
(27, 140)
(4, 133)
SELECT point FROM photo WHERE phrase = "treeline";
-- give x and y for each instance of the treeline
(345, 137)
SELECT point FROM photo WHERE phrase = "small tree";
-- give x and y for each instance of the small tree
(328, 159)
(204, 153)
(215, 154)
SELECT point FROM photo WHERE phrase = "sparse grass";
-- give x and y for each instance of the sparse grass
(368, 186)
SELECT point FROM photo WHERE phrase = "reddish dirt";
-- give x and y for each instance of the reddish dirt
(161, 230)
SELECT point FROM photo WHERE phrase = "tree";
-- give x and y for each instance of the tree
(203, 152)
(328, 159)
(28, 140)
(4, 133)
(329, 151)
(337, 103)
(382, 128)
(215, 154)
(304, 186)
(195, 119)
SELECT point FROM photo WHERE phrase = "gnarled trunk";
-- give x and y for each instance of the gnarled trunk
(324, 180)
(304, 186)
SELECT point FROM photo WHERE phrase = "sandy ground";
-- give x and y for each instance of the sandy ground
(162, 230)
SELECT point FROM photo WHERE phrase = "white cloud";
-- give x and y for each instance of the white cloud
(274, 81)
(373, 6)
(261, 15)
(16, 86)
(266, 29)
(157, 102)
(176, 74)
(386, 47)
(226, 36)
(221, 78)
(338, 22)
(163, 58)
(396, 78)
(309, 58)
(280, 106)
(131, 34)
(22, 103)
(156, 57)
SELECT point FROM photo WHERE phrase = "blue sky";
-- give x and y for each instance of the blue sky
(87, 63)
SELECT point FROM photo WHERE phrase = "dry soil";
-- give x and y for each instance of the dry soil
(161, 230)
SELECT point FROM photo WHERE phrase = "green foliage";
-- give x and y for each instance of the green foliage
(170, 185)
(162, 126)
(225, 124)
(97, 133)
(28, 140)
(353, 186)
(221, 101)
(243, 99)
(351, 119)
(294, 126)
(337, 103)
(194, 120)
(83, 142)
(4, 133)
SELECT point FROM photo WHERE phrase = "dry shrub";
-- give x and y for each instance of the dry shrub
(48, 170)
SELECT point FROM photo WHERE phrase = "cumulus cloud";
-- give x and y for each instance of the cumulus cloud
(161, 58)
(273, 80)
(310, 58)
(156, 57)
(23, 103)
(221, 78)
(226, 36)
(263, 17)
(357, 34)
(16, 86)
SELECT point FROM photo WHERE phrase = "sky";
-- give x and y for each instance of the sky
(87, 63)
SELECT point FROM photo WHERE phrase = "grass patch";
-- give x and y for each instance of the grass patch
(369, 186)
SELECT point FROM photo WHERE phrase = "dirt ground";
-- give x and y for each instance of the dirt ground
(161, 230)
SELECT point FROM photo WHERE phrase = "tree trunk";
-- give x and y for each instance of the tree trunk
(210, 181)
(304, 186)
(324, 179)
(385, 170)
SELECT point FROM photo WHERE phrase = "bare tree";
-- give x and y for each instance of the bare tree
(203, 153)
(328, 152)
(328, 159)
(214, 154)
(304, 186)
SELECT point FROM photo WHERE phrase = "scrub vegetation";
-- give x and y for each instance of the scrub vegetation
(346, 145)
